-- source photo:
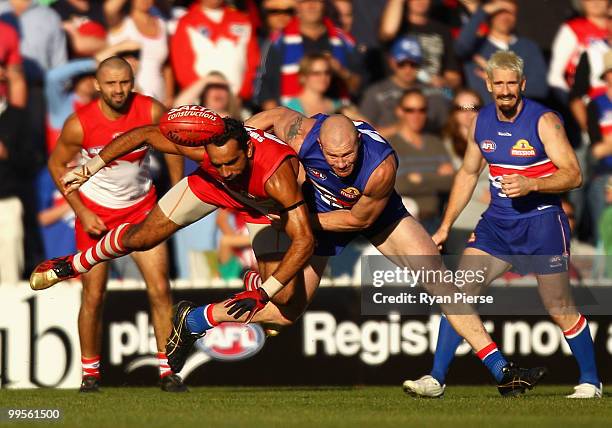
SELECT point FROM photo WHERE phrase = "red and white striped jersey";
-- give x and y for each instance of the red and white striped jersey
(125, 181)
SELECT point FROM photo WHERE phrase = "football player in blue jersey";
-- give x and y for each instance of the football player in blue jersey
(349, 183)
(530, 163)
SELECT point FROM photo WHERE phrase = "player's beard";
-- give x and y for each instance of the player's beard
(117, 105)
(509, 111)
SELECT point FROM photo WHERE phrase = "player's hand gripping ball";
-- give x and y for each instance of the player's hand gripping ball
(190, 125)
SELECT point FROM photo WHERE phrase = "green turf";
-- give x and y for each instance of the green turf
(312, 407)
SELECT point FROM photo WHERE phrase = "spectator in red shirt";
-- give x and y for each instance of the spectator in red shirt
(15, 90)
(215, 37)
(571, 40)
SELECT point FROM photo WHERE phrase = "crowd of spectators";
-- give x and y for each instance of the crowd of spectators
(412, 68)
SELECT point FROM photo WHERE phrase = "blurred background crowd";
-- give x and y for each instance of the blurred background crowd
(414, 69)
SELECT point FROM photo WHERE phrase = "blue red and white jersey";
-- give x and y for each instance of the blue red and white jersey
(323, 189)
(515, 148)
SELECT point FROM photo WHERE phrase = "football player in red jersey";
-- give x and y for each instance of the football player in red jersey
(123, 192)
(242, 169)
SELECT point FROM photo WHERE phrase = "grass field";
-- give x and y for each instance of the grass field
(311, 407)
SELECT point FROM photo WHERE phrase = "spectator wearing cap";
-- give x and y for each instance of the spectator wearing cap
(85, 24)
(599, 116)
(475, 49)
(310, 32)
(411, 17)
(380, 99)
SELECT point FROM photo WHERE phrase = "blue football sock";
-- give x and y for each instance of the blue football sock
(493, 360)
(448, 342)
(580, 342)
(198, 319)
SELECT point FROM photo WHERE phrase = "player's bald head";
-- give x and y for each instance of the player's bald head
(337, 130)
(114, 63)
(339, 144)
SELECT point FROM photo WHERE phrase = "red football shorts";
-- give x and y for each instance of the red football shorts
(113, 217)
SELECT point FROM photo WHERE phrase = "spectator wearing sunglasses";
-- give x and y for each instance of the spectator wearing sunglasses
(277, 14)
(315, 78)
(380, 99)
(425, 172)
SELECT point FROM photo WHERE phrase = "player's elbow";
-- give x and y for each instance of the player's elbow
(361, 223)
(577, 178)
(307, 244)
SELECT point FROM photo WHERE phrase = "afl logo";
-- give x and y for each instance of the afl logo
(350, 192)
(317, 174)
(488, 146)
(232, 341)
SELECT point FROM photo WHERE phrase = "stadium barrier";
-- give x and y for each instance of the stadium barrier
(332, 344)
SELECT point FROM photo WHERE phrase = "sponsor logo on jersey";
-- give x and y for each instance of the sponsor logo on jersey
(232, 341)
(523, 149)
(350, 192)
(318, 174)
(504, 134)
(488, 146)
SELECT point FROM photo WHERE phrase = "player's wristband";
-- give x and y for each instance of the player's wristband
(94, 165)
(272, 286)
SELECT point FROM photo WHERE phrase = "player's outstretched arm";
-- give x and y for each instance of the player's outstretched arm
(463, 186)
(283, 187)
(369, 206)
(120, 146)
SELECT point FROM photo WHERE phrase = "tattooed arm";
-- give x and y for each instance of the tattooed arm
(288, 125)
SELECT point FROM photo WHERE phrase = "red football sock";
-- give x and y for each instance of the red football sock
(91, 366)
(164, 367)
(107, 248)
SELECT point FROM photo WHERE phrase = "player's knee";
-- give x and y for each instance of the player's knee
(92, 298)
(159, 294)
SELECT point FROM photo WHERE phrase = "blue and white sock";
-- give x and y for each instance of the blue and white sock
(493, 359)
(200, 319)
(580, 342)
(448, 342)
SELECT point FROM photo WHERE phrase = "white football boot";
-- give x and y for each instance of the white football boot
(586, 390)
(427, 386)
